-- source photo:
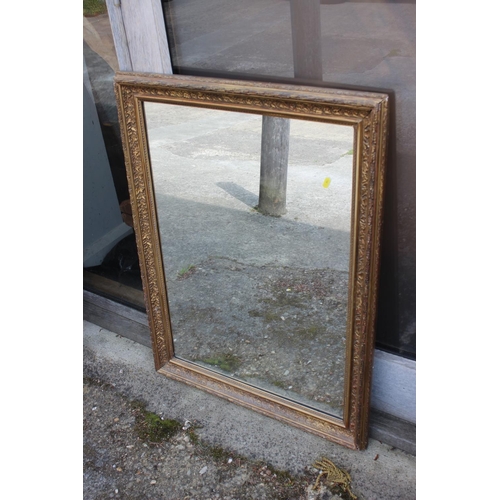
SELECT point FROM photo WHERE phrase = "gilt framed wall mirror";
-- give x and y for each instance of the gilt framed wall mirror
(257, 213)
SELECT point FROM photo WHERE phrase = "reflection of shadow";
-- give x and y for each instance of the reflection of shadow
(240, 193)
(192, 231)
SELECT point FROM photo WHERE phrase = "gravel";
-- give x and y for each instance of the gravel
(119, 463)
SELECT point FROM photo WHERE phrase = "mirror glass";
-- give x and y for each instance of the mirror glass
(258, 298)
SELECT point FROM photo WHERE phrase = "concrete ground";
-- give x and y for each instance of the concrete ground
(127, 370)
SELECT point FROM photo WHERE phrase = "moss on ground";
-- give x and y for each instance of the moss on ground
(151, 427)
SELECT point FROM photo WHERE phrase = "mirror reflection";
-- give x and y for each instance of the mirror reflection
(259, 298)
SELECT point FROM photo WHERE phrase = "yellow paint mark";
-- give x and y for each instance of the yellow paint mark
(326, 182)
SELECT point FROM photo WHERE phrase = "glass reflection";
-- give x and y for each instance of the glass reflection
(262, 299)
(364, 44)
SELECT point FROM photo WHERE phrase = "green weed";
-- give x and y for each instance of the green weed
(227, 362)
(186, 271)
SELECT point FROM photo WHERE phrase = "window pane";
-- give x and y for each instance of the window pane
(365, 44)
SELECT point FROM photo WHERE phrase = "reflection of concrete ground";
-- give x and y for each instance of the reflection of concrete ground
(206, 174)
(280, 328)
(266, 298)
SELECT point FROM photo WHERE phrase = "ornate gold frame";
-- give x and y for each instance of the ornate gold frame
(368, 114)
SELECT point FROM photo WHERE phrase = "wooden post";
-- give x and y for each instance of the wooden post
(274, 165)
(140, 35)
(306, 41)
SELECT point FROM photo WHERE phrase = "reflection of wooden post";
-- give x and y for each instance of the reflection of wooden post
(274, 165)
(306, 40)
